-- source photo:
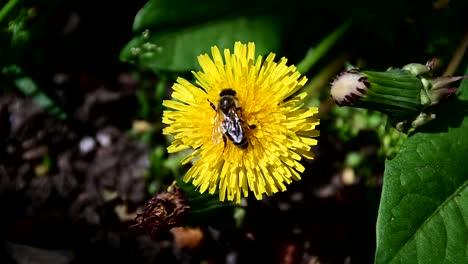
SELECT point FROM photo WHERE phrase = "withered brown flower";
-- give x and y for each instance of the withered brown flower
(163, 211)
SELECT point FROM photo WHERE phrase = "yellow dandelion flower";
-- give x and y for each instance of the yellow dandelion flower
(251, 105)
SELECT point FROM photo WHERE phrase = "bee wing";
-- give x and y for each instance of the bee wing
(232, 128)
(217, 133)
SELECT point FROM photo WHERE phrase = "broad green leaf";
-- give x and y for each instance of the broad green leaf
(178, 50)
(157, 13)
(423, 215)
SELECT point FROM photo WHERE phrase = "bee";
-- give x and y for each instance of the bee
(227, 123)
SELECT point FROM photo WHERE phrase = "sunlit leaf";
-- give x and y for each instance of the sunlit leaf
(177, 50)
(423, 216)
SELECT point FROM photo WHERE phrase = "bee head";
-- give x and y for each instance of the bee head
(227, 91)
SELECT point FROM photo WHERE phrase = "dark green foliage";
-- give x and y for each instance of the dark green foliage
(423, 213)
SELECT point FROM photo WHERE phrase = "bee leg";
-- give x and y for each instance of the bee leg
(240, 112)
(250, 126)
(224, 141)
(239, 109)
(212, 105)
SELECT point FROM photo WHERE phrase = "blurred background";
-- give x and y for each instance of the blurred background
(82, 149)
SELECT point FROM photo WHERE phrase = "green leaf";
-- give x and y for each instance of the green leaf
(157, 13)
(178, 50)
(206, 209)
(5, 10)
(29, 88)
(423, 215)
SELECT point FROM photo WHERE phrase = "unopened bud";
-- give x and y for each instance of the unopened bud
(406, 95)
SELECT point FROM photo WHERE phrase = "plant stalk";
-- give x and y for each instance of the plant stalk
(7, 8)
(316, 53)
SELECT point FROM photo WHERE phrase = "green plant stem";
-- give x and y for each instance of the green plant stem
(457, 57)
(314, 54)
(7, 8)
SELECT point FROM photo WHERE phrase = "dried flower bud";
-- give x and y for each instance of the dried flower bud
(163, 211)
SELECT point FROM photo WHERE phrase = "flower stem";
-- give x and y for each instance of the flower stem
(457, 57)
(7, 8)
(314, 54)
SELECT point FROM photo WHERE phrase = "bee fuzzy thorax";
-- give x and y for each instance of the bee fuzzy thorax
(228, 101)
